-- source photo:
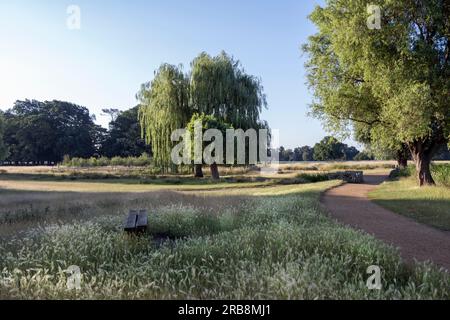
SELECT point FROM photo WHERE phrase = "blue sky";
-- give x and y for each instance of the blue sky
(121, 43)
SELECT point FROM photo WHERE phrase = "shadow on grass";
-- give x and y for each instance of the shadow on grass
(435, 213)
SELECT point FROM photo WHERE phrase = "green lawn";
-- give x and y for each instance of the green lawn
(271, 242)
(428, 205)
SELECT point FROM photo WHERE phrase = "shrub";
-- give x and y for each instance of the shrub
(143, 160)
(312, 178)
(441, 174)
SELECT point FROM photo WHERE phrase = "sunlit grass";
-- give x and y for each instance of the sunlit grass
(269, 242)
(428, 205)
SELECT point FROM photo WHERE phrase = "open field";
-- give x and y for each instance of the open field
(226, 171)
(235, 240)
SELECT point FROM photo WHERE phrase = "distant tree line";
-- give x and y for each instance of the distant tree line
(330, 149)
(34, 131)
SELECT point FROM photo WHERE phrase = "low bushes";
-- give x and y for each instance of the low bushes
(441, 173)
(143, 160)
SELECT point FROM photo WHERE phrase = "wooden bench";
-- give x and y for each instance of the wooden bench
(136, 222)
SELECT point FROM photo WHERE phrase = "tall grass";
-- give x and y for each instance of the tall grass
(269, 247)
(441, 173)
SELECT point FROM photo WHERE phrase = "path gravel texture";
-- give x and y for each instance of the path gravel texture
(349, 205)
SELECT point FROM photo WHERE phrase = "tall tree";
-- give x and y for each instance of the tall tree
(164, 107)
(124, 136)
(216, 86)
(329, 149)
(307, 153)
(220, 87)
(113, 113)
(46, 131)
(3, 148)
(395, 78)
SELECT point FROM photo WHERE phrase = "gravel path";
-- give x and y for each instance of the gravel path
(349, 205)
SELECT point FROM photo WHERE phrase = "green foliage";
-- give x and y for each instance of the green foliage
(274, 247)
(313, 177)
(124, 135)
(46, 131)
(441, 173)
(215, 86)
(141, 161)
(3, 148)
(219, 86)
(393, 81)
(363, 156)
(208, 122)
(164, 107)
(306, 153)
(331, 149)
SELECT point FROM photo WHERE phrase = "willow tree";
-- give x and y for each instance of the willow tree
(220, 87)
(164, 107)
(216, 86)
(394, 77)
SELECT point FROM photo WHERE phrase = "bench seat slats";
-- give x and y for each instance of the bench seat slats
(137, 221)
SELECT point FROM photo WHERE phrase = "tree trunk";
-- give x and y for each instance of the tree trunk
(402, 163)
(215, 171)
(198, 171)
(402, 157)
(424, 176)
(422, 155)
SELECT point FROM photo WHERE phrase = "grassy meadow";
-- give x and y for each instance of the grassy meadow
(243, 238)
(428, 205)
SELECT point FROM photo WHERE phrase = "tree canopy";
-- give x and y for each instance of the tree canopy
(164, 107)
(216, 86)
(331, 149)
(220, 87)
(395, 80)
(46, 131)
(124, 136)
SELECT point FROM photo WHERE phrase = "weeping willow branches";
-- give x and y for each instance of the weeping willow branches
(216, 86)
(163, 108)
(220, 87)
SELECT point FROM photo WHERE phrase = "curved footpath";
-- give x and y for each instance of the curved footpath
(349, 205)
